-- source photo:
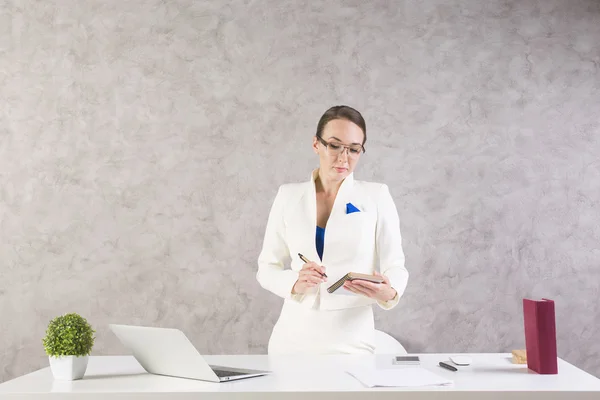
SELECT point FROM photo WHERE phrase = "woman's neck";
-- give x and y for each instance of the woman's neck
(329, 188)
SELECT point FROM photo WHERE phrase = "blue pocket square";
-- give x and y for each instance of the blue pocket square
(350, 208)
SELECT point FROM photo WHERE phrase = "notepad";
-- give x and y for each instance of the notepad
(398, 377)
(351, 276)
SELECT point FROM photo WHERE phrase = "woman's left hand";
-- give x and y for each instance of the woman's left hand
(378, 291)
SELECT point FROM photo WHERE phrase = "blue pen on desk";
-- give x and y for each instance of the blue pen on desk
(307, 261)
(448, 366)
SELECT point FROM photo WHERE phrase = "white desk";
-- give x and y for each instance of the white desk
(491, 376)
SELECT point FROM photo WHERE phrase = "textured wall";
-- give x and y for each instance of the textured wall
(142, 143)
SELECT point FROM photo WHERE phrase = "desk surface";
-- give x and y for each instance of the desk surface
(489, 376)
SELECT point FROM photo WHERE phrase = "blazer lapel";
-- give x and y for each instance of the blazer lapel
(344, 193)
(310, 208)
(338, 212)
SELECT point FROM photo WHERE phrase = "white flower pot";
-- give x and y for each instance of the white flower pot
(68, 368)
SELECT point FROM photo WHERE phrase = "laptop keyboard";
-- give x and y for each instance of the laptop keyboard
(222, 374)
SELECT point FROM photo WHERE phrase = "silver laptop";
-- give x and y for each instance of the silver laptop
(166, 351)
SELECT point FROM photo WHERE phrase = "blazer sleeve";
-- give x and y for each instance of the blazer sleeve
(389, 246)
(271, 272)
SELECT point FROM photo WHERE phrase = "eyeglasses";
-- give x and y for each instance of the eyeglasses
(337, 148)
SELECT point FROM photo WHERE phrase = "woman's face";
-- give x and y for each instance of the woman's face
(337, 161)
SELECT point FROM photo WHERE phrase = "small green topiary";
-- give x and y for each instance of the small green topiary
(69, 335)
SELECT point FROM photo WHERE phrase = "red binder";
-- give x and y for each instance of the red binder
(540, 336)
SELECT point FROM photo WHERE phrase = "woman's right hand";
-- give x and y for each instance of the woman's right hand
(310, 276)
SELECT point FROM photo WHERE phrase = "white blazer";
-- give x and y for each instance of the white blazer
(363, 241)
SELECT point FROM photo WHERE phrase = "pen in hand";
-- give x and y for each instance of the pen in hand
(307, 261)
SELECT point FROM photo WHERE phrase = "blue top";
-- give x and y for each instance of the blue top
(320, 241)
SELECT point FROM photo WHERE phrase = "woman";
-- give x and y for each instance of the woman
(348, 226)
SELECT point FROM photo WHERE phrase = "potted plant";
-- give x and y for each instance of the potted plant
(68, 343)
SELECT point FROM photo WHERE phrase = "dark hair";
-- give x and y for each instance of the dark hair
(342, 112)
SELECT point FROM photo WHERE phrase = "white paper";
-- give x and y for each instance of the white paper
(398, 377)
